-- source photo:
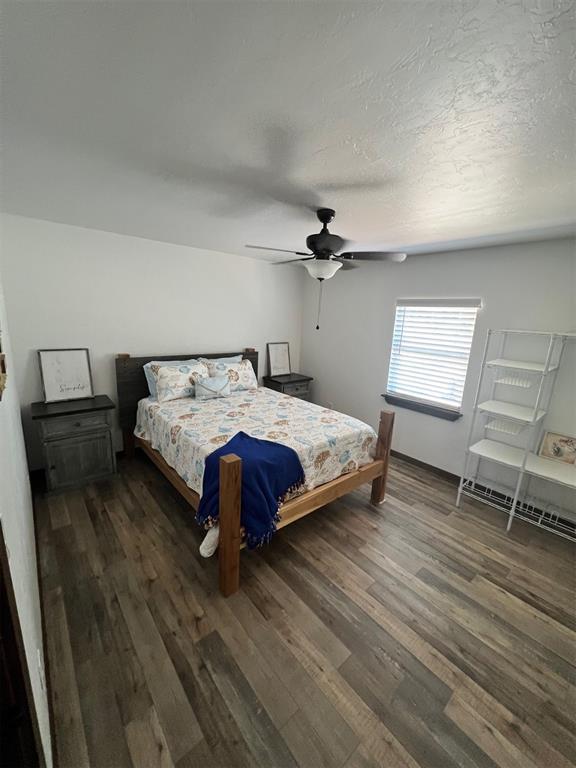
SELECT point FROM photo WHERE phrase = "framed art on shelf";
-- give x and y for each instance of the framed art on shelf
(278, 358)
(66, 374)
(558, 447)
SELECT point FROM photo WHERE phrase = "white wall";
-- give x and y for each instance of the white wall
(522, 286)
(18, 529)
(68, 287)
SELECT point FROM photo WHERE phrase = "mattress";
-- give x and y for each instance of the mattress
(186, 431)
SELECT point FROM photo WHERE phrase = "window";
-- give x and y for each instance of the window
(430, 352)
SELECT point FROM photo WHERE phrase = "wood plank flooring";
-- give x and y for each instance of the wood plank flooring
(410, 635)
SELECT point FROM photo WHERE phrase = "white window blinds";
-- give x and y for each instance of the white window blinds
(430, 350)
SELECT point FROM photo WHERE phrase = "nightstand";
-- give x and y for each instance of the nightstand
(295, 384)
(76, 438)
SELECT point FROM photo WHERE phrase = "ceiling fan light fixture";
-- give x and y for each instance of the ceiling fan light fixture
(322, 269)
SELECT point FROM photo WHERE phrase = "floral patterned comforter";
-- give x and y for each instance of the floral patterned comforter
(186, 431)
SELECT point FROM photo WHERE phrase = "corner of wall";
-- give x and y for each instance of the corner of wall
(17, 516)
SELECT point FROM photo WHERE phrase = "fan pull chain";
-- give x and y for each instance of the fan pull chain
(319, 304)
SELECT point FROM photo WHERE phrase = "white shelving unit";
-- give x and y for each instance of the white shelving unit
(518, 365)
(535, 465)
(512, 411)
(521, 421)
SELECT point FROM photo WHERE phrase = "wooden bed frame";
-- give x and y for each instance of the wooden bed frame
(132, 387)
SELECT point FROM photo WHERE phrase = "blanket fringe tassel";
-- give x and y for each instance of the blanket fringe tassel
(253, 542)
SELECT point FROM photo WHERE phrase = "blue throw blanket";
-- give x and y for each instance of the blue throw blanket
(269, 472)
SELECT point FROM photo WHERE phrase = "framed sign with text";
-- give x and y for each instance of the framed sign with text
(66, 374)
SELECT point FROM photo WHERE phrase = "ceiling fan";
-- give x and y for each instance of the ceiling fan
(324, 259)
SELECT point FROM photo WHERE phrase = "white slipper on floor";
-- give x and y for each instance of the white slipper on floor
(210, 542)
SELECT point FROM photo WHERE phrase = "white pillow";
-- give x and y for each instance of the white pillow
(175, 382)
(241, 375)
(151, 371)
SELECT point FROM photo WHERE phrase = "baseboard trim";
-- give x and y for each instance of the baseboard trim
(454, 479)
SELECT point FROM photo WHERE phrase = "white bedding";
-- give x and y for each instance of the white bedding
(186, 431)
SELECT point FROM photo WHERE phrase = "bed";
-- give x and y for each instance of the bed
(337, 452)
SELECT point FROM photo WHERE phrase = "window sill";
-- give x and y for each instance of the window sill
(427, 408)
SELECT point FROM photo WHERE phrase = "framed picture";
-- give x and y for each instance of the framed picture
(278, 358)
(558, 447)
(66, 374)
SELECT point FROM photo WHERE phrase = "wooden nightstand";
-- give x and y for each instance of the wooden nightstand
(76, 438)
(295, 384)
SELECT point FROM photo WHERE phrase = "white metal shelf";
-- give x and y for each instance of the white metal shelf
(519, 365)
(513, 411)
(555, 334)
(505, 426)
(514, 380)
(548, 469)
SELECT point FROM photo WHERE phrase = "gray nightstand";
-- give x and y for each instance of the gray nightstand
(295, 384)
(76, 438)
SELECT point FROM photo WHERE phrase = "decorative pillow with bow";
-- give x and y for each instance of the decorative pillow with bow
(241, 375)
(175, 382)
(212, 387)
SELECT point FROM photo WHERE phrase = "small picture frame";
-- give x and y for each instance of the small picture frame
(558, 447)
(278, 358)
(66, 374)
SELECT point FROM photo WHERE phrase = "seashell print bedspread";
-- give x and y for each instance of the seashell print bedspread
(186, 431)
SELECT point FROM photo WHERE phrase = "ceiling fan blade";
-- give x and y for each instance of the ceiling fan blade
(282, 250)
(373, 256)
(292, 261)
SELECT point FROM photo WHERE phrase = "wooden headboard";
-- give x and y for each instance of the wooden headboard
(131, 381)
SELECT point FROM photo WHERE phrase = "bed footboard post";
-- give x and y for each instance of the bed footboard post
(382, 452)
(229, 511)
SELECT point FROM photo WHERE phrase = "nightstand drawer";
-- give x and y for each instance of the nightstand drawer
(71, 425)
(293, 384)
(297, 390)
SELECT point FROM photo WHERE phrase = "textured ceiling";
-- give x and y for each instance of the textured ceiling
(216, 124)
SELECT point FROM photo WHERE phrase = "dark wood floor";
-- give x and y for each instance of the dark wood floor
(410, 635)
